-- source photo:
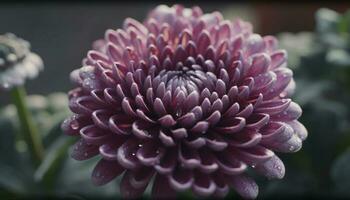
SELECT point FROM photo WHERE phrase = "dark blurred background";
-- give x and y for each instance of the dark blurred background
(62, 33)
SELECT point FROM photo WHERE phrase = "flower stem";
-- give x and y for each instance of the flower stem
(28, 128)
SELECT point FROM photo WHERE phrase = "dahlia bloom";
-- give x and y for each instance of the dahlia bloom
(188, 98)
(17, 63)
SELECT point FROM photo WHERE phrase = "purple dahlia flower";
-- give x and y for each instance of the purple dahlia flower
(188, 98)
(17, 63)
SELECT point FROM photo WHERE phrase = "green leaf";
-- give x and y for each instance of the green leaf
(47, 172)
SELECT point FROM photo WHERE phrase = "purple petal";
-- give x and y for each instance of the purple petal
(188, 157)
(181, 179)
(203, 185)
(208, 162)
(93, 135)
(83, 150)
(244, 186)
(127, 190)
(167, 162)
(105, 171)
(292, 145)
(161, 188)
(127, 154)
(149, 153)
(272, 169)
(230, 166)
(299, 129)
(276, 132)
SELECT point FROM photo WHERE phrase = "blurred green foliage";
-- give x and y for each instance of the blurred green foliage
(54, 176)
(321, 64)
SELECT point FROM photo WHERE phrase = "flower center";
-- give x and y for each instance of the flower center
(188, 77)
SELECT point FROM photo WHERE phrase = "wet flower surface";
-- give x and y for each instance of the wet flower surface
(188, 98)
(17, 63)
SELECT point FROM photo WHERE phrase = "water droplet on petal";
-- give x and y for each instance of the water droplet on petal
(291, 148)
(74, 125)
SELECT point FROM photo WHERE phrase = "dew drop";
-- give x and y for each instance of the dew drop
(74, 125)
(291, 148)
(178, 113)
(140, 145)
(253, 165)
(133, 154)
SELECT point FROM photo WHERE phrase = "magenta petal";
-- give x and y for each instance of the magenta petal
(188, 157)
(93, 135)
(299, 129)
(273, 106)
(127, 191)
(292, 145)
(167, 121)
(100, 118)
(72, 124)
(161, 188)
(195, 143)
(244, 186)
(291, 113)
(245, 139)
(84, 151)
(208, 162)
(276, 132)
(105, 171)
(120, 124)
(166, 139)
(167, 163)
(222, 188)
(203, 185)
(284, 77)
(127, 154)
(253, 155)
(110, 151)
(216, 142)
(272, 169)
(256, 121)
(236, 125)
(230, 166)
(181, 179)
(260, 63)
(278, 58)
(140, 129)
(141, 178)
(149, 153)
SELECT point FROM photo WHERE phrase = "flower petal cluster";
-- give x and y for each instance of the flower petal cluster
(191, 99)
